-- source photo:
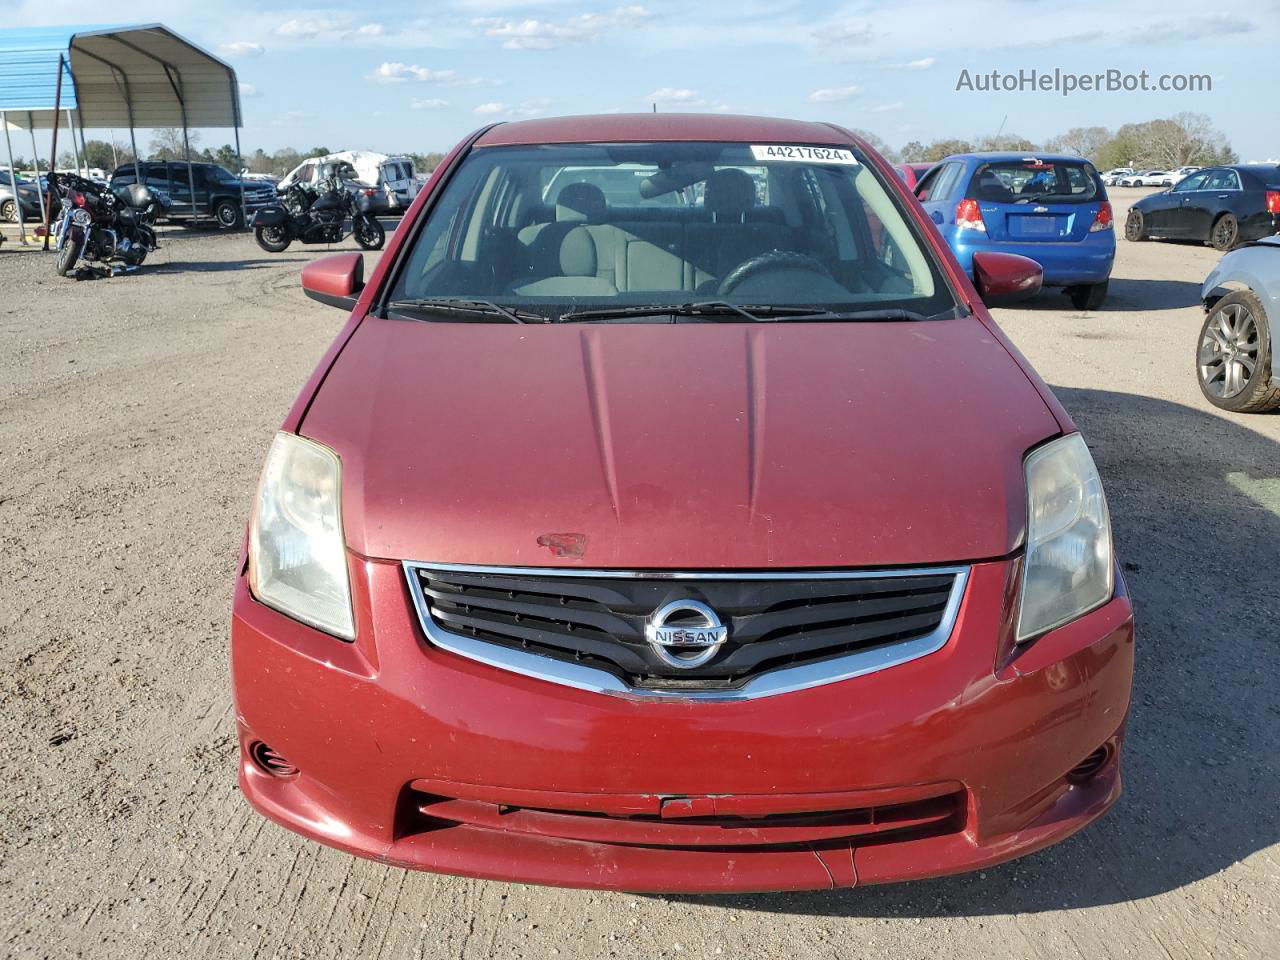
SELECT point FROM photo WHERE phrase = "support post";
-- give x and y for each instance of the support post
(13, 180)
(244, 209)
(35, 161)
(84, 147)
(53, 150)
(75, 151)
(191, 176)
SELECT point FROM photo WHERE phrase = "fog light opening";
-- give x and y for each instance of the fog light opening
(1092, 765)
(270, 762)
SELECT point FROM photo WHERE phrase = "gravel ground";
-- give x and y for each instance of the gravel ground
(134, 416)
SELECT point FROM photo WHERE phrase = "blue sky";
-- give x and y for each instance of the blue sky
(398, 76)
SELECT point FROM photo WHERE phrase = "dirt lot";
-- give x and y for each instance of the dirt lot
(134, 416)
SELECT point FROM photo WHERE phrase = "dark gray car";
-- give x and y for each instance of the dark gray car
(1234, 357)
(217, 190)
(28, 199)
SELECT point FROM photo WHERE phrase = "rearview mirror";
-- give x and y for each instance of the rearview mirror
(335, 281)
(1003, 278)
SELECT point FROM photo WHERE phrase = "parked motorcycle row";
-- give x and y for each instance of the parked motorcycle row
(112, 229)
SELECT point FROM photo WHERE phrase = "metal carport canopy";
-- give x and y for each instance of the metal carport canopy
(122, 76)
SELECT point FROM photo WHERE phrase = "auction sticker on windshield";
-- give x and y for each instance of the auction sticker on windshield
(782, 151)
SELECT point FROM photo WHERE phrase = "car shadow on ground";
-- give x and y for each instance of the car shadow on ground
(179, 265)
(1195, 501)
(1125, 295)
(1144, 295)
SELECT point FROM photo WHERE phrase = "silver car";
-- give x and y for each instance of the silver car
(1241, 298)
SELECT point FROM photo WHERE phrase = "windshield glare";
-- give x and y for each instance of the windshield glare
(560, 228)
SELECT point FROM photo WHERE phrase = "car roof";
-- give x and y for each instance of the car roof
(998, 156)
(627, 127)
(1258, 169)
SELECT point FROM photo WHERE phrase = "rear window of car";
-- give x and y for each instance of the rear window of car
(1033, 180)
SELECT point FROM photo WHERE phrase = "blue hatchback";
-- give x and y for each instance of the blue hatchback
(1053, 209)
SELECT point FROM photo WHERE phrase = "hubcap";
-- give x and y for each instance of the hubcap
(1228, 351)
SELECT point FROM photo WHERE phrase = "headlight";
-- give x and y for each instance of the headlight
(1068, 568)
(81, 216)
(297, 557)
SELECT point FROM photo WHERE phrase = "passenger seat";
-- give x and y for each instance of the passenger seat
(564, 255)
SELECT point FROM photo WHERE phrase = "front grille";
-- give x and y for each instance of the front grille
(599, 621)
(862, 825)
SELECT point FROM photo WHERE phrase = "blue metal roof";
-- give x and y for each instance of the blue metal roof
(29, 66)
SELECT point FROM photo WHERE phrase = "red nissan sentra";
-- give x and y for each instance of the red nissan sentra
(670, 515)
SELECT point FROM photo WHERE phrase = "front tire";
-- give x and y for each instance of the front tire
(1233, 362)
(1135, 227)
(272, 239)
(1225, 233)
(369, 233)
(9, 212)
(1089, 296)
(69, 255)
(227, 213)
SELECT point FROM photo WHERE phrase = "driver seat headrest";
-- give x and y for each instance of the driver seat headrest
(729, 194)
(581, 203)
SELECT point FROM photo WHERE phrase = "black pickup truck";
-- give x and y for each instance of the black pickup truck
(217, 190)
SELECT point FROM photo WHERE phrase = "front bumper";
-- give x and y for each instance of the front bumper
(413, 756)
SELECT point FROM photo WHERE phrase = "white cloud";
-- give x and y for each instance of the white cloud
(534, 34)
(850, 33)
(489, 109)
(433, 103)
(395, 72)
(924, 63)
(888, 107)
(248, 90)
(533, 108)
(308, 28)
(329, 29)
(674, 95)
(241, 49)
(834, 94)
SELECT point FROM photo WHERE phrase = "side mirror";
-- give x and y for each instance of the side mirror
(335, 281)
(1003, 278)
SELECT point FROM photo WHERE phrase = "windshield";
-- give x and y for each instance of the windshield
(222, 174)
(562, 228)
(1026, 180)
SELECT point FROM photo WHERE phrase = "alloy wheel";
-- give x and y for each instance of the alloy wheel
(1229, 351)
(1224, 233)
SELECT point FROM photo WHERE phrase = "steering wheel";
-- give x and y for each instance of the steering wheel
(766, 262)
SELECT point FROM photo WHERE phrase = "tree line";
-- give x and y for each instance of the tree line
(1185, 139)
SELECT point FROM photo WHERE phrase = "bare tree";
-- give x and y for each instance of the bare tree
(1086, 142)
(167, 143)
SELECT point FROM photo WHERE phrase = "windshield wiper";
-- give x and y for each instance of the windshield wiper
(719, 310)
(711, 309)
(477, 308)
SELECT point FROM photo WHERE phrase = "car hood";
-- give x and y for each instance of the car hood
(680, 445)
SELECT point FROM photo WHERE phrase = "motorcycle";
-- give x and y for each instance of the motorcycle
(96, 224)
(318, 217)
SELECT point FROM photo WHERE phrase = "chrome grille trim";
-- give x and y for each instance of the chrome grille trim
(770, 684)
